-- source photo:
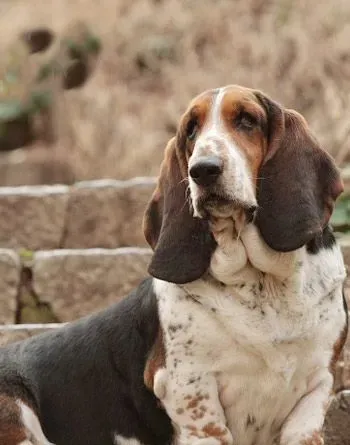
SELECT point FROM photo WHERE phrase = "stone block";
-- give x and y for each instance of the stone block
(32, 217)
(107, 213)
(9, 285)
(78, 282)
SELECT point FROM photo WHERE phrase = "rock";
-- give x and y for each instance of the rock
(17, 133)
(78, 282)
(107, 213)
(135, 201)
(346, 366)
(32, 217)
(337, 424)
(9, 285)
(38, 39)
(77, 54)
(344, 242)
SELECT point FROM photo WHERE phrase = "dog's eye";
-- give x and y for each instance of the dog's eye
(246, 121)
(192, 128)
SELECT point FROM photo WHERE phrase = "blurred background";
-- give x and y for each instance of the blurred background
(150, 57)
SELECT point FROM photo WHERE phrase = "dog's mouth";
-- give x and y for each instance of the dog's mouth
(219, 205)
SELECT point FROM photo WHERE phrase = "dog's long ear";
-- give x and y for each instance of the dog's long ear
(182, 244)
(298, 182)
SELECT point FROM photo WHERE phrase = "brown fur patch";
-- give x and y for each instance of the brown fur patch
(212, 430)
(155, 361)
(252, 143)
(182, 245)
(315, 439)
(194, 402)
(12, 430)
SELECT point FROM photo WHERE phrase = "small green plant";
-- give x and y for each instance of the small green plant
(26, 254)
(341, 216)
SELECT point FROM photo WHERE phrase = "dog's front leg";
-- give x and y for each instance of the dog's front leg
(304, 424)
(192, 403)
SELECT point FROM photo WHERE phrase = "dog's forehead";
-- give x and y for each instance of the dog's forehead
(227, 96)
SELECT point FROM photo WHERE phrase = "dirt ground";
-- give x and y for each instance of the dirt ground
(158, 54)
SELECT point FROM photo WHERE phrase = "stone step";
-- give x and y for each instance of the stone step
(102, 213)
(78, 282)
(62, 285)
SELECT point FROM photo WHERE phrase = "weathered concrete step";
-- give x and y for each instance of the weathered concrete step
(78, 282)
(33, 217)
(103, 213)
(64, 284)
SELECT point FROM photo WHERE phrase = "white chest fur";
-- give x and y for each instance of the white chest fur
(267, 343)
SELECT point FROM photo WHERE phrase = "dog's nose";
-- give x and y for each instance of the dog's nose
(206, 170)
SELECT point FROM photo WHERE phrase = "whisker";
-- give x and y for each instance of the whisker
(183, 180)
(258, 177)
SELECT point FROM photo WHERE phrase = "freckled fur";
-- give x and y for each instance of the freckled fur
(261, 353)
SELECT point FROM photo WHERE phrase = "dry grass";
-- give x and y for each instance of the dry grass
(118, 124)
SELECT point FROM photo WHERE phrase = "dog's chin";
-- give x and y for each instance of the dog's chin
(214, 206)
(218, 206)
(219, 210)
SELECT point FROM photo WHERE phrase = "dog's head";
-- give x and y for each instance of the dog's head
(237, 150)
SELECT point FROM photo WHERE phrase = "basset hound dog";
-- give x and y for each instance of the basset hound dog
(234, 338)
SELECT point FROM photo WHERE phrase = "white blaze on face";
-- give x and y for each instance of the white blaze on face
(214, 140)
